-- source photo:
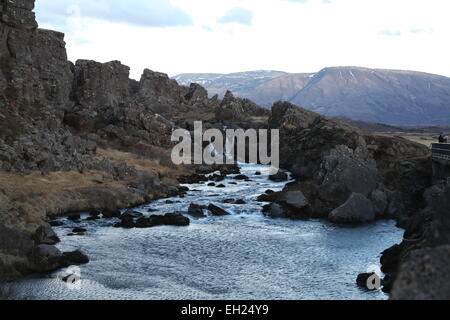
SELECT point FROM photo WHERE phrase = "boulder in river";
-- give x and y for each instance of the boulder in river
(169, 219)
(295, 199)
(176, 219)
(357, 209)
(196, 210)
(234, 201)
(130, 214)
(56, 223)
(110, 213)
(369, 281)
(75, 257)
(74, 217)
(280, 176)
(217, 211)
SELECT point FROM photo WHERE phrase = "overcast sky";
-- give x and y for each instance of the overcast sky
(222, 36)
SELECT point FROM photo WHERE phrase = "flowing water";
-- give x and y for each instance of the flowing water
(241, 256)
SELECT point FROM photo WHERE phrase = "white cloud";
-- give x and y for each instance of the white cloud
(284, 35)
(237, 15)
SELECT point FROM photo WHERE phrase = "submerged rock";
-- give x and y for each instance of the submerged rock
(79, 230)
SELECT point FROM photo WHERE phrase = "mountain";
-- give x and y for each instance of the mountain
(392, 97)
(242, 84)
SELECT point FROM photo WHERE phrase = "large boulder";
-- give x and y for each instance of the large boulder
(47, 258)
(196, 210)
(46, 235)
(75, 257)
(295, 199)
(217, 211)
(357, 209)
(344, 172)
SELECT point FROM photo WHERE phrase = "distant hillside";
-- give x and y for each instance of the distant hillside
(373, 95)
(240, 83)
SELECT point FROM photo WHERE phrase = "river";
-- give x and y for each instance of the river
(241, 256)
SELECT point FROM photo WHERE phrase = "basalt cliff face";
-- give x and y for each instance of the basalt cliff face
(85, 137)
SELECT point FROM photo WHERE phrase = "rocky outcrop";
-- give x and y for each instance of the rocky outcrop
(345, 171)
(234, 109)
(424, 276)
(21, 255)
(334, 160)
(416, 268)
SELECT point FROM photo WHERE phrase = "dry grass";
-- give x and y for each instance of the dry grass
(158, 163)
(26, 201)
(425, 139)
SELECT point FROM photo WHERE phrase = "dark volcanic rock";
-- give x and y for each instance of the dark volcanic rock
(196, 211)
(217, 211)
(74, 217)
(176, 219)
(111, 213)
(241, 177)
(130, 214)
(75, 257)
(56, 223)
(368, 281)
(420, 264)
(274, 210)
(357, 209)
(46, 235)
(424, 276)
(279, 177)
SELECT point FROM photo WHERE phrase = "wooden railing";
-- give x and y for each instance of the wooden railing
(441, 151)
